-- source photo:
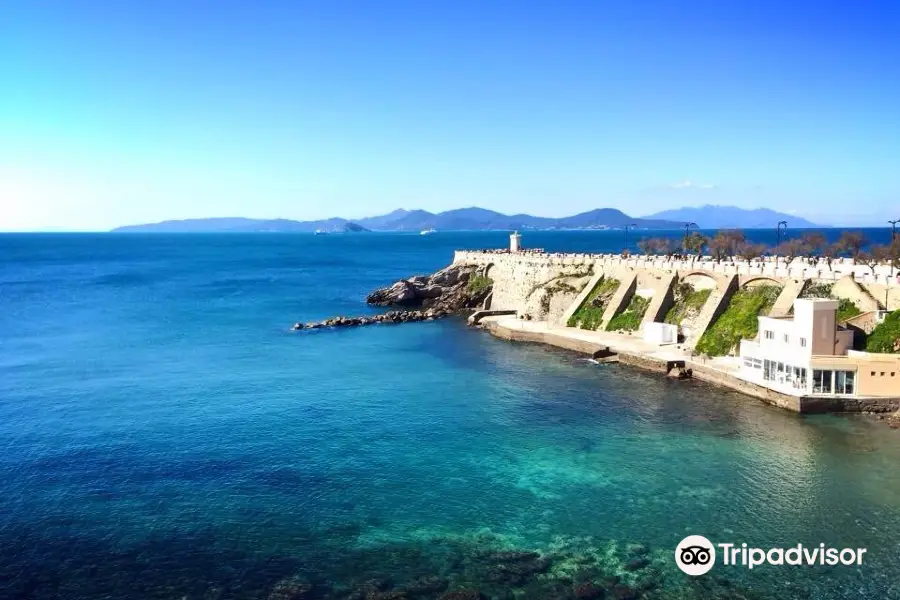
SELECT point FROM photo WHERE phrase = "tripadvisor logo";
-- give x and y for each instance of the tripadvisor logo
(696, 555)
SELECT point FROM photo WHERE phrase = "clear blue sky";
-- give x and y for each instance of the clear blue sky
(124, 111)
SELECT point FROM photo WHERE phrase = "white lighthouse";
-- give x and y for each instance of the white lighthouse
(515, 241)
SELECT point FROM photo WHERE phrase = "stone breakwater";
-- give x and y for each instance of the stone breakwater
(450, 291)
(392, 316)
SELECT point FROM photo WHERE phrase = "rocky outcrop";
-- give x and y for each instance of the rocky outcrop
(453, 289)
(393, 316)
(450, 291)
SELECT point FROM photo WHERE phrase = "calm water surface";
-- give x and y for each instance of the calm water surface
(163, 435)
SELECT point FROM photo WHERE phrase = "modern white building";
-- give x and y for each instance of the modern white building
(809, 354)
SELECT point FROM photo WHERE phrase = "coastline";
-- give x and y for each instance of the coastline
(634, 352)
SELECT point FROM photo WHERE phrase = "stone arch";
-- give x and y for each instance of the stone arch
(700, 280)
(760, 280)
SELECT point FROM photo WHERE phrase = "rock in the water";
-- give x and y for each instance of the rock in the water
(292, 588)
(623, 592)
(425, 585)
(447, 289)
(638, 549)
(638, 562)
(588, 591)
(463, 595)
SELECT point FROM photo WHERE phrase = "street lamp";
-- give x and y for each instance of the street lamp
(686, 227)
(626, 235)
(778, 238)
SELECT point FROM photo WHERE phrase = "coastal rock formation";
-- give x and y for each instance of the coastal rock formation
(393, 316)
(453, 289)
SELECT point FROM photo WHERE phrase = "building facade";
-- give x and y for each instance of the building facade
(808, 354)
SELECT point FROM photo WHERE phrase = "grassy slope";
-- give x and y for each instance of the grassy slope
(739, 321)
(590, 314)
(886, 336)
(630, 318)
(693, 301)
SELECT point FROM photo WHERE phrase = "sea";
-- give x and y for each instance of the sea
(164, 434)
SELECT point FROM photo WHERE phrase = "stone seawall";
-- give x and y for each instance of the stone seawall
(798, 269)
(517, 276)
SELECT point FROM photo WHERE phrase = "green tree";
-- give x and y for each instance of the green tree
(695, 242)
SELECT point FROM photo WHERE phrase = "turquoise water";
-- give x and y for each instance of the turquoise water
(164, 435)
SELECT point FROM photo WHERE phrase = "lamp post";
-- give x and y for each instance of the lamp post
(684, 243)
(778, 238)
(626, 236)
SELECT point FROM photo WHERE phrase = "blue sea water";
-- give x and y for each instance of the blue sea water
(164, 435)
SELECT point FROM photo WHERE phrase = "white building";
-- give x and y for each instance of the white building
(808, 354)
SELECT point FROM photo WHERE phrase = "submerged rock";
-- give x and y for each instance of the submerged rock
(638, 562)
(588, 591)
(292, 588)
(463, 595)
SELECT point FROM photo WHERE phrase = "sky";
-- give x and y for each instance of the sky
(125, 111)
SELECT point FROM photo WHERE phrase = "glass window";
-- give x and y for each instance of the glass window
(822, 381)
(803, 342)
(787, 338)
(844, 382)
(770, 335)
(768, 370)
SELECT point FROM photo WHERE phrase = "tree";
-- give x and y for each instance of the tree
(719, 247)
(748, 251)
(873, 258)
(852, 242)
(829, 252)
(695, 242)
(813, 243)
(894, 250)
(789, 249)
(725, 243)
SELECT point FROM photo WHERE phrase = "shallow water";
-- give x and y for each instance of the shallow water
(163, 435)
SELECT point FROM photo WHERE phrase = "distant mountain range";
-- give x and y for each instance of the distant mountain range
(731, 217)
(707, 217)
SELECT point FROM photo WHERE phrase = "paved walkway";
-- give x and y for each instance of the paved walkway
(618, 342)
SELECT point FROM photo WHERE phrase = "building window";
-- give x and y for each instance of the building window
(769, 335)
(787, 339)
(769, 370)
(843, 382)
(803, 342)
(822, 381)
(800, 378)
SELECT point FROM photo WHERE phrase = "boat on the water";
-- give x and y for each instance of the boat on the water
(321, 232)
(427, 231)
